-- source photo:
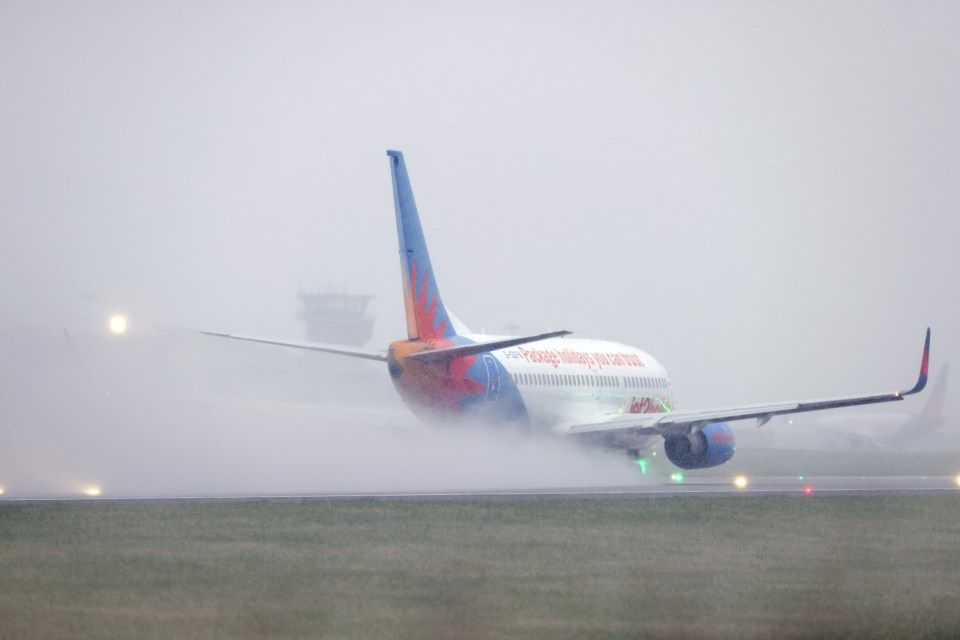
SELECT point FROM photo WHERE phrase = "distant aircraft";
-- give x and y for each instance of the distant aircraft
(888, 430)
(600, 392)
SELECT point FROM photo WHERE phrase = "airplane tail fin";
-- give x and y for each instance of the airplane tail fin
(427, 317)
(934, 405)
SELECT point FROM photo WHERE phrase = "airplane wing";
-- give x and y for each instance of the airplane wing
(368, 354)
(682, 421)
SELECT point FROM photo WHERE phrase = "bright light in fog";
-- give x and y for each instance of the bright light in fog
(808, 490)
(92, 491)
(676, 477)
(740, 482)
(118, 323)
(958, 481)
(1, 491)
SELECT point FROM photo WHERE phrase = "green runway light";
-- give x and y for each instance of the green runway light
(676, 477)
(642, 463)
(799, 477)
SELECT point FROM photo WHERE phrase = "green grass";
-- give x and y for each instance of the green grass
(883, 567)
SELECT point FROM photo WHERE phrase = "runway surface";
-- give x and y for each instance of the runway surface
(700, 487)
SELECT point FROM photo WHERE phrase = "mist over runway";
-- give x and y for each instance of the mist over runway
(176, 413)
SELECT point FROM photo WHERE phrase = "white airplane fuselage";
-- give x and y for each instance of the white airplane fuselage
(553, 383)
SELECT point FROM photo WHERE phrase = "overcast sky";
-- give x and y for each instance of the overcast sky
(763, 195)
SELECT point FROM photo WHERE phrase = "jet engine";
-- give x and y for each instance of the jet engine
(707, 447)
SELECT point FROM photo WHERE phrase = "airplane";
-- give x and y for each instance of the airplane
(599, 392)
(891, 431)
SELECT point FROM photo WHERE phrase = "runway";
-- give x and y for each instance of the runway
(718, 487)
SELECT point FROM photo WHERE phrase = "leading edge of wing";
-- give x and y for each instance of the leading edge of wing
(354, 352)
(682, 420)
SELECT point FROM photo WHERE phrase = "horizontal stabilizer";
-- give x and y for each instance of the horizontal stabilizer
(354, 352)
(460, 351)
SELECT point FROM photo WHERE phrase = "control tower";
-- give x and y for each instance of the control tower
(336, 318)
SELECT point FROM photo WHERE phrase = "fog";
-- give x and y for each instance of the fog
(180, 414)
(762, 195)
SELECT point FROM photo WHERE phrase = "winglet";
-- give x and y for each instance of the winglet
(924, 365)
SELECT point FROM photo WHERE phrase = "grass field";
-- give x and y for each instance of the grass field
(739, 567)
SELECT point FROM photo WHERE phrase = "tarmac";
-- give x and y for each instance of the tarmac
(801, 487)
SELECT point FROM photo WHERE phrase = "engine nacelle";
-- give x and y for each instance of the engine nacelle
(709, 447)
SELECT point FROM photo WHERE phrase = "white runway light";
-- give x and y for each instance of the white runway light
(118, 323)
(740, 482)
